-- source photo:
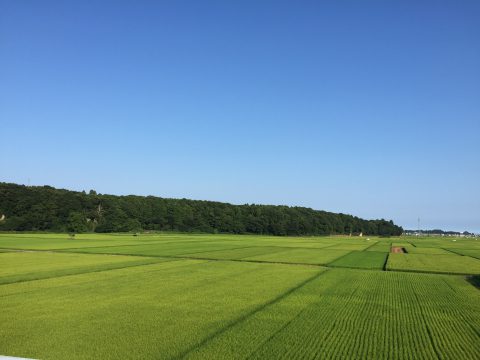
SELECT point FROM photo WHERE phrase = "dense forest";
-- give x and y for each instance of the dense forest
(44, 208)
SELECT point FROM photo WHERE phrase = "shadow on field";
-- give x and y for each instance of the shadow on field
(474, 280)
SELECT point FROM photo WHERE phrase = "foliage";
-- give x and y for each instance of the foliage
(76, 222)
(35, 208)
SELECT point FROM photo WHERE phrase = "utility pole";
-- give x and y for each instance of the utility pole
(419, 232)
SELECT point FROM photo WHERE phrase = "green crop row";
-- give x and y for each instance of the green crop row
(362, 260)
(448, 264)
(363, 315)
(167, 296)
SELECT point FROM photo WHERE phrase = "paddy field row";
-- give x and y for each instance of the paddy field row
(236, 297)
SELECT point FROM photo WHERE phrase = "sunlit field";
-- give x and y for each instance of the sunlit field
(171, 296)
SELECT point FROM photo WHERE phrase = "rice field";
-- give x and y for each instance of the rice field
(175, 296)
(467, 252)
(362, 260)
(448, 264)
(23, 266)
(301, 256)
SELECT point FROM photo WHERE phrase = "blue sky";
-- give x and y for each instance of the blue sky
(364, 107)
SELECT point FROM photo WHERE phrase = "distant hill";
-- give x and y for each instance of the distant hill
(44, 208)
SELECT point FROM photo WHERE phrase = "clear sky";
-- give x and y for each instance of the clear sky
(370, 108)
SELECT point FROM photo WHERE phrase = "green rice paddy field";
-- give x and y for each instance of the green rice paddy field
(173, 296)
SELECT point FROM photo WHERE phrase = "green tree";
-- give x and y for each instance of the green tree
(77, 223)
(46, 208)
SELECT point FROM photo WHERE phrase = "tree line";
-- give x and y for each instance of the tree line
(44, 208)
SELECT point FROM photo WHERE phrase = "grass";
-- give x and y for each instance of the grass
(174, 296)
(362, 260)
(301, 256)
(159, 249)
(24, 266)
(427, 250)
(237, 254)
(381, 246)
(159, 310)
(448, 264)
(358, 247)
(467, 252)
(359, 314)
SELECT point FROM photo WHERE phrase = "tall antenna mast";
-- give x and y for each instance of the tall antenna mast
(419, 232)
